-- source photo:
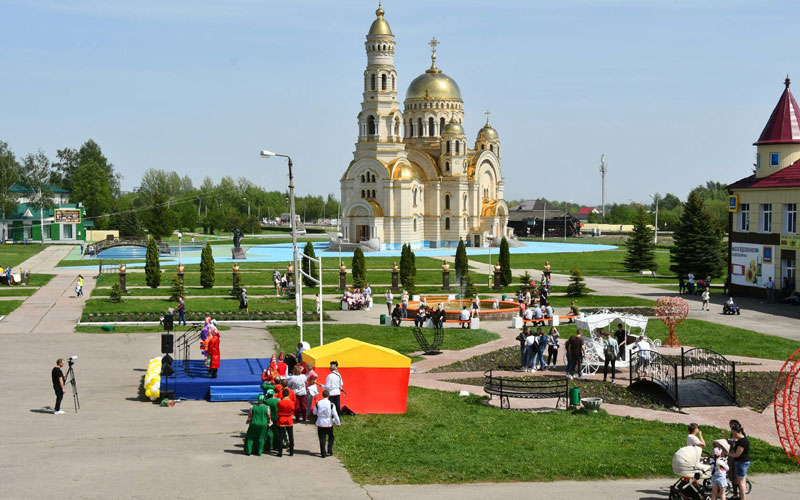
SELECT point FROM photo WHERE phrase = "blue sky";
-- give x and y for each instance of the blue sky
(673, 92)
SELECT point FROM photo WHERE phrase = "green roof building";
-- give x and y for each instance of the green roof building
(63, 222)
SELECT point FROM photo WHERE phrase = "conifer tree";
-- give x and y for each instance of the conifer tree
(115, 295)
(470, 290)
(462, 266)
(404, 265)
(309, 267)
(236, 287)
(641, 246)
(177, 290)
(207, 275)
(152, 266)
(576, 287)
(699, 246)
(505, 263)
(359, 269)
(408, 269)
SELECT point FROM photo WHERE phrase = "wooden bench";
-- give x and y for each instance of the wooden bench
(537, 388)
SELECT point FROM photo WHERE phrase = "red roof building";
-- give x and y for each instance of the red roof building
(783, 126)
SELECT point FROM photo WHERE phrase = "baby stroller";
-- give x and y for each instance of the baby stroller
(731, 307)
(694, 482)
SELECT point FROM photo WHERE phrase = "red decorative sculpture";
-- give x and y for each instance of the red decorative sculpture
(787, 406)
(671, 310)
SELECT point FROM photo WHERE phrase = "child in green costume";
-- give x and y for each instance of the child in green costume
(272, 432)
(259, 421)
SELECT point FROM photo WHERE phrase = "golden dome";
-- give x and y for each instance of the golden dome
(488, 132)
(453, 128)
(379, 26)
(433, 85)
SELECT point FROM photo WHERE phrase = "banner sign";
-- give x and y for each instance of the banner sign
(67, 216)
(790, 241)
(751, 265)
(733, 203)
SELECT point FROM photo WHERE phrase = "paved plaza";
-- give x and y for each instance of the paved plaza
(117, 446)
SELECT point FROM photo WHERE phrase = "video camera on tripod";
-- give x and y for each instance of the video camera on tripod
(69, 378)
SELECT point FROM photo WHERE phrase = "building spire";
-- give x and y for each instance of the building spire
(787, 82)
(487, 113)
(433, 69)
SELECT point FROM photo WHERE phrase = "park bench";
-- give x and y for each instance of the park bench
(537, 388)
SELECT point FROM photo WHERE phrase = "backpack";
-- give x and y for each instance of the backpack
(609, 352)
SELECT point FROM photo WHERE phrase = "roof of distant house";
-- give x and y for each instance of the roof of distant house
(785, 177)
(783, 126)
(586, 210)
(19, 188)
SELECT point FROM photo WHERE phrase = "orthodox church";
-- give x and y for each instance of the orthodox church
(413, 178)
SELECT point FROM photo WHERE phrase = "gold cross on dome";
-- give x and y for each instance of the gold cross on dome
(433, 43)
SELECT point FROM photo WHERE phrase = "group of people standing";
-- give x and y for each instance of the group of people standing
(533, 347)
(290, 391)
(283, 283)
(730, 459)
(209, 346)
(357, 298)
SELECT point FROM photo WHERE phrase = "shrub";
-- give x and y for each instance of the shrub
(176, 290)
(576, 287)
(359, 269)
(116, 294)
(207, 275)
(152, 266)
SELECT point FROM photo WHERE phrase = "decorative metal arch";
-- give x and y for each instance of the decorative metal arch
(787, 406)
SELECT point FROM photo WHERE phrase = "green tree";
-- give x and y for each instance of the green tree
(699, 246)
(177, 290)
(505, 263)
(641, 247)
(405, 265)
(115, 295)
(128, 224)
(152, 266)
(207, 274)
(9, 175)
(90, 186)
(309, 267)
(90, 152)
(160, 220)
(408, 269)
(65, 166)
(35, 176)
(462, 265)
(359, 269)
(576, 287)
(470, 289)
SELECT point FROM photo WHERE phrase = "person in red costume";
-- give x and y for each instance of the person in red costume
(283, 368)
(213, 352)
(268, 375)
(285, 422)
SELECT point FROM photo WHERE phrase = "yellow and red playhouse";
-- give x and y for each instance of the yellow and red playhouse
(375, 377)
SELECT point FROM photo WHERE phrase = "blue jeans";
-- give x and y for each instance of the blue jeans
(182, 317)
(522, 356)
(570, 364)
(741, 468)
(528, 357)
(540, 359)
(405, 309)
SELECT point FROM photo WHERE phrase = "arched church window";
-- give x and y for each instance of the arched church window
(447, 202)
(383, 82)
(362, 194)
(373, 177)
(373, 193)
(371, 125)
(393, 83)
(447, 147)
(491, 148)
(465, 201)
(373, 81)
(483, 146)
(414, 193)
(447, 166)
(457, 147)
(419, 125)
(396, 126)
(362, 179)
(415, 224)
(431, 127)
(441, 125)
(485, 192)
(447, 224)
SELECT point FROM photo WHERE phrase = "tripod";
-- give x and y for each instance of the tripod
(70, 379)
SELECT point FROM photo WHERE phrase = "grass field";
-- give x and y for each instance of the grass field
(400, 339)
(17, 291)
(98, 306)
(6, 306)
(14, 255)
(602, 263)
(600, 300)
(444, 438)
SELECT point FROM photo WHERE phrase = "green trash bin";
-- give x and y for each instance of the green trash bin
(574, 396)
(383, 319)
(503, 297)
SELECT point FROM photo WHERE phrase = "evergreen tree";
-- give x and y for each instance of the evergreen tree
(576, 287)
(699, 246)
(505, 263)
(116, 293)
(236, 287)
(641, 247)
(207, 277)
(359, 269)
(525, 280)
(462, 266)
(309, 267)
(128, 224)
(176, 290)
(152, 266)
(160, 220)
(408, 269)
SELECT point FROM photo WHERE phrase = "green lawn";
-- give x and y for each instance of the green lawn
(600, 300)
(602, 263)
(6, 306)
(400, 339)
(444, 438)
(17, 291)
(14, 255)
(132, 329)
(105, 291)
(726, 340)
(98, 306)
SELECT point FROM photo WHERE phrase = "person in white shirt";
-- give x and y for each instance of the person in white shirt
(530, 351)
(465, 317)
(537, 312)
(319, 303)
(334, 384)
(643, 361)
(298, 383)
(528, 314)
(327, 416)
(549, 312)
(389, 300)
(695, 437)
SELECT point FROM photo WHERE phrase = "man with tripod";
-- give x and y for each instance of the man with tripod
(58, 385)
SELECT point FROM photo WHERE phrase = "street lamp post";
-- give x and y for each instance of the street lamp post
(544, 219)
(490, 237)
(339, 237)
(180, 252)
(298, 291)
(655, 237)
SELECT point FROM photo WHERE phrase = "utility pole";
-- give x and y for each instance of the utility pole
(603, 171)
